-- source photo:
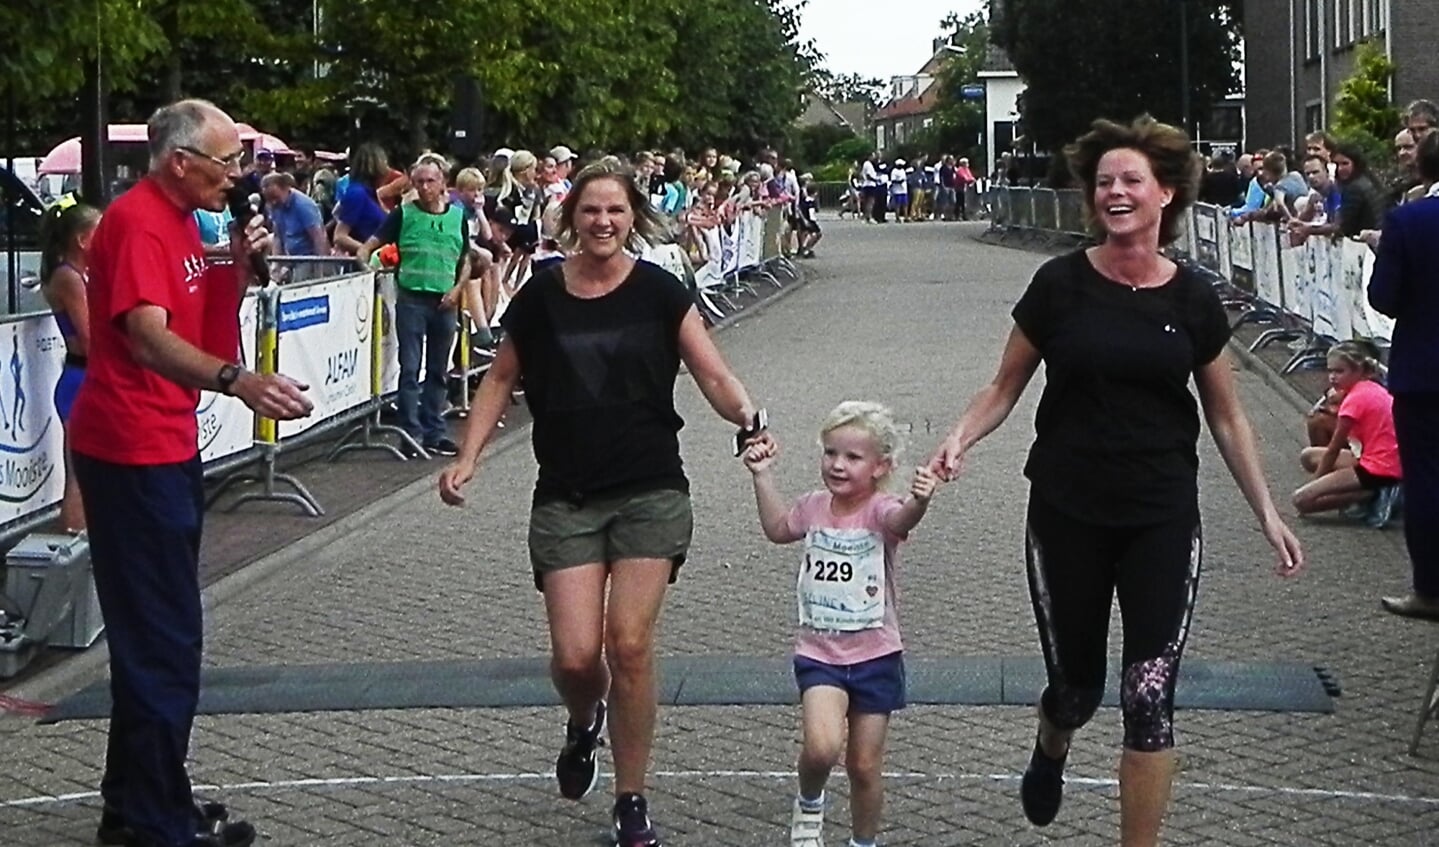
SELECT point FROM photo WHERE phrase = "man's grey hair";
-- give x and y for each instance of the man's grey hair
(180, 124)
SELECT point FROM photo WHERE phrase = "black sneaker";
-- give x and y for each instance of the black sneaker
(632, 823)
(1042, 789)
(114, 831)
(442, 447)
(576, 768)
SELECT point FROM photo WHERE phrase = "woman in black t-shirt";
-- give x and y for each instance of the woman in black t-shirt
(1114, 501)
(598, 341)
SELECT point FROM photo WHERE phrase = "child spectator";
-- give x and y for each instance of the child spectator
(1366, 416)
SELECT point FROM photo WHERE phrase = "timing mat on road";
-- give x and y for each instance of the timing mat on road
(696, 681)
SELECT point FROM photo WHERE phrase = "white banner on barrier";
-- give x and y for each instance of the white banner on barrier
(671, 257)
(32, 443)
(389, 341)
(1264, 262)
(1358, 268)
(226, 424)
(325, 342)
(750, 229)
(1241, 250)
(1318, 272)
(1298, 287)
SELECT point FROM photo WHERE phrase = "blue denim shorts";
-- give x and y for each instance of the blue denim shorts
(875, 687)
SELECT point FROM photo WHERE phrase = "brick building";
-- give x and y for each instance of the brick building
(1298, 52)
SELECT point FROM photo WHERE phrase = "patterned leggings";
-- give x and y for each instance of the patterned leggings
(1075, 569)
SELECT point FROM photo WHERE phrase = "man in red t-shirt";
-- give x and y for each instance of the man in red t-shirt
(163, 325)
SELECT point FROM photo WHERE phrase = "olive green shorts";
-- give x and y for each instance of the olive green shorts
(648, 525)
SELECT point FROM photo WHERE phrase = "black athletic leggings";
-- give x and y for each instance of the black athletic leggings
(1075, 568)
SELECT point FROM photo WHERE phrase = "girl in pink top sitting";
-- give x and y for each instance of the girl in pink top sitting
(849, 660)
(1365, 416)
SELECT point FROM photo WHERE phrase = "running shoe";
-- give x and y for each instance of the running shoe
(1383, 507)
(1042, 789)
(806, 828)
(632, 823)
(577, 768)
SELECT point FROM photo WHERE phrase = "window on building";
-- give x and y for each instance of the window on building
(899, 132)
(1374, 22)
(1313, 116)
(1313, 41)
(928, 122)
(1343, 23)
(879, 137)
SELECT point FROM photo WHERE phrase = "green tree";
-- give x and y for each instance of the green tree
(1363, 113)
(1087, 59)
(959, 125)
(848, 88)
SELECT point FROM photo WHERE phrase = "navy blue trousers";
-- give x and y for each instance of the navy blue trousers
(1416, 425)
(144, 524)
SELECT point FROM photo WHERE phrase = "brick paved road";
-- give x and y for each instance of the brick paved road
(910, 315)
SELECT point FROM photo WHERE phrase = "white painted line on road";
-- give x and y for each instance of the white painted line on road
(460, 778)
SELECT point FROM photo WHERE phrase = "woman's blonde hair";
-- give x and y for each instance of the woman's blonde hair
(519, 162)
(649, 227)
(875, 419)
(1356, 354)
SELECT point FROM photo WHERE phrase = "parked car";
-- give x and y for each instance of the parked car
(20, 212)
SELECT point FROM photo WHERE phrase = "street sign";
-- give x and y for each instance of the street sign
(973, 91)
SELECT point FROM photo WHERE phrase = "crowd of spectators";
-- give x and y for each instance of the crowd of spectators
(930, 188)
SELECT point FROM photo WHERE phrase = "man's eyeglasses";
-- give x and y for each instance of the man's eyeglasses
(230, 161)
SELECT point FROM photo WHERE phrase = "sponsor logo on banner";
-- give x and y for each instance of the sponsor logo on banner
(28, 452)
(310, 311)
(325, 336)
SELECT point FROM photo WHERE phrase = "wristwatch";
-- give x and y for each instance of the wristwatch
(757, 424)
(229, 372)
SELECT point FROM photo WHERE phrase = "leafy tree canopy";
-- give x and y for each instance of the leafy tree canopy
(1088, 59)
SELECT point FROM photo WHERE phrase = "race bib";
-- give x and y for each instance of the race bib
(841, 580)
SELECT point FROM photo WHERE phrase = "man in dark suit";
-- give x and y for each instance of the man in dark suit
(1403, 287)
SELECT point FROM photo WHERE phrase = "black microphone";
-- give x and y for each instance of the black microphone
(244, 208)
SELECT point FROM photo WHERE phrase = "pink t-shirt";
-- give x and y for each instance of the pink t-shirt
(812, 512)
(1370, 407)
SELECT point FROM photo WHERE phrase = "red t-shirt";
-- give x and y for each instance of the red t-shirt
(147, 250)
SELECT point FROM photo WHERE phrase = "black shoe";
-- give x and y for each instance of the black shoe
(576, 768)
(211, 818)
(632, 823)
(1042, 789)
(413, 451)
(442, 447)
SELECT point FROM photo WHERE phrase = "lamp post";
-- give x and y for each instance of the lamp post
(1184, 64)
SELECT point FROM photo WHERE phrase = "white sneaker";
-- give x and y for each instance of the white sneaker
(806, 829)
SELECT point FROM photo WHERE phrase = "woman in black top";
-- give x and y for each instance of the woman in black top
(1114, 494)
(598, 341)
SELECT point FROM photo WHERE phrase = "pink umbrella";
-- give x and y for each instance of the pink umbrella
(65, 158)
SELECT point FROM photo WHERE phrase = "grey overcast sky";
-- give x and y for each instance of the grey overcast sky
(877, 39)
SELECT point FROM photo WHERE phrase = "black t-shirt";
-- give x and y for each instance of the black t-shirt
(1117, 427)
(599, 377)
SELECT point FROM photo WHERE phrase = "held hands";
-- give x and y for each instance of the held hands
(453, 479)
(948, 460)
(925, 483)
(760, 453)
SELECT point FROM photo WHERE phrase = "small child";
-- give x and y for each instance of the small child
(1366, 416)
(849, 660)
